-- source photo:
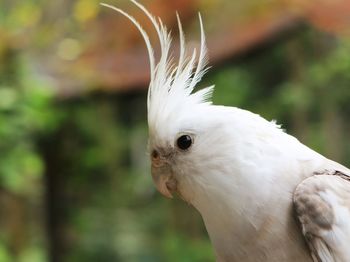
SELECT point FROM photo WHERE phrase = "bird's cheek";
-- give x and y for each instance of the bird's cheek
(163, 179)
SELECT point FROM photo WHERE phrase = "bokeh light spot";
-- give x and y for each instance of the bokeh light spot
(68, 49)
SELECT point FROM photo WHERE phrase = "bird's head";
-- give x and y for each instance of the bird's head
(178, 135)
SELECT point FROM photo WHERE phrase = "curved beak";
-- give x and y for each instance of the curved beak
(163, 179)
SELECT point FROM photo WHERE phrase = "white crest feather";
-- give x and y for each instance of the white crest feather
(171, 86)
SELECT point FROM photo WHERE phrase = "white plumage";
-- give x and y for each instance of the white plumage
(258, 189)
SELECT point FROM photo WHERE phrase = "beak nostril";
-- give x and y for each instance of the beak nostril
(155, 155)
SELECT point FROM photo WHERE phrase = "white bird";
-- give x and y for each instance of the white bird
(263, 195)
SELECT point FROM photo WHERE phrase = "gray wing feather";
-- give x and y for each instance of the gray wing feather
(322, 204)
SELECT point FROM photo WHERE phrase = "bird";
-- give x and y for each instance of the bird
(262, 194)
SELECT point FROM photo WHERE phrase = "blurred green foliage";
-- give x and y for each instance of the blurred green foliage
(93, 147)
(25, 113)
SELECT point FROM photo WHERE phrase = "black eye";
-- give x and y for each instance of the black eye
(184, 142)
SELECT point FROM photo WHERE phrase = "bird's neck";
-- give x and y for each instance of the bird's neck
(235, 214)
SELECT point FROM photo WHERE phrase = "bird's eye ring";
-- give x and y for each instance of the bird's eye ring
(184, 142)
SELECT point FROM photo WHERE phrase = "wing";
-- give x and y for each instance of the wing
(322, 204)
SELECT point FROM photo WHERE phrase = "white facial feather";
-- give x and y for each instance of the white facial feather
(171, 87)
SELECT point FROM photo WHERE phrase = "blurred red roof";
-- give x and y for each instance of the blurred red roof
(117, 60)
(329, 15)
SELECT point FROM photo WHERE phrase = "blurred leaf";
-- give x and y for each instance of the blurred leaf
(85, 10)
(34, 254)
(8, 97)
(24, 14)
(4, 254)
